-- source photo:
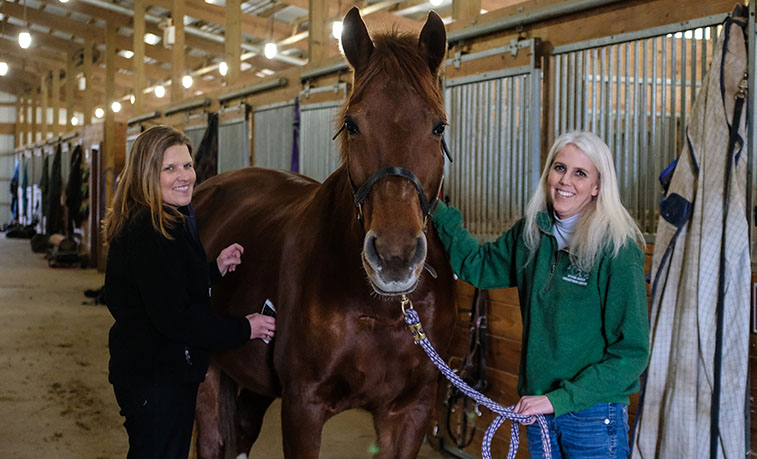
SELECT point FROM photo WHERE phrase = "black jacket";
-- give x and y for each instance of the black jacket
(158, 291)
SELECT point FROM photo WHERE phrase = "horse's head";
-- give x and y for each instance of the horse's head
(392, 145)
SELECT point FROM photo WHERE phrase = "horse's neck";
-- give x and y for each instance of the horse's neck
(334, 201)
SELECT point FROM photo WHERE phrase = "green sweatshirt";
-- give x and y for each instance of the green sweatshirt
(585, 335)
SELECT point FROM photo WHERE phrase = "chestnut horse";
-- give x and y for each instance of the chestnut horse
(333, 257)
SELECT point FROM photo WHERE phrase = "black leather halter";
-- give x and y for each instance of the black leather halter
(361, 193)
(392, 171)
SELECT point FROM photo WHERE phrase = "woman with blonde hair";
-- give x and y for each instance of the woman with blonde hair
(157, 283)
(579, 269)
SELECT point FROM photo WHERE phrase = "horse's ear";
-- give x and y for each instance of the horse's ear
(356, 42)
(433, 42)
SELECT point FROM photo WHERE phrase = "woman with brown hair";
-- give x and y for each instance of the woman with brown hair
(157, 283)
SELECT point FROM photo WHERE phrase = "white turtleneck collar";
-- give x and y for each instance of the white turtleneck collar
(563, 230)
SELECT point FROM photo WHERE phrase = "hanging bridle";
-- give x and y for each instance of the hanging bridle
(361, 193)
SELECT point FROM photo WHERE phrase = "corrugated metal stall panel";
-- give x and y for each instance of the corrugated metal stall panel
(319, 155)
(273, 137)
(34, 179)
(495, 142)
(233, 141)
(635, 91)
(65, 161)
(194, 132)
(7, 166)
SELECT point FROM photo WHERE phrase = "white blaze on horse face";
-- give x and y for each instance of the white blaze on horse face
(177, 176)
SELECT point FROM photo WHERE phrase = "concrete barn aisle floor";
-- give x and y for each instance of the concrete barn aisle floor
(55, 399)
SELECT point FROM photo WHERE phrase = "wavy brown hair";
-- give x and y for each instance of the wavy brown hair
(139, 186)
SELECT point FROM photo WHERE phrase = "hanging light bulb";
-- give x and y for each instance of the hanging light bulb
(116, 106)
(435, 2)
(74, 121)
(64, 1)
(24, 39)
(160, 91)
(336, 29)
(3, 68)
(270, 50)
(223, 68)
(187, 81)
(99, 112)
(132, 99)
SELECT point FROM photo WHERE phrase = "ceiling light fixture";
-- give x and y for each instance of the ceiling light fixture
(223, 68)
(187, 81)
(116, 106)
(435, 2)
(3, 68)
(132, 99)
(99, 112)
(160, 91)
(24, 37)
(271, 49)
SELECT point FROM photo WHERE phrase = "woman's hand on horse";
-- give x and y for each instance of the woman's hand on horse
(229, 258)
(263, 327)
(533, 404)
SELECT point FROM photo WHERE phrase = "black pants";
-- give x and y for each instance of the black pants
(159, 419)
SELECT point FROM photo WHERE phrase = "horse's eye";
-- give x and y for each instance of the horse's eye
(351, 127)
(439, 129)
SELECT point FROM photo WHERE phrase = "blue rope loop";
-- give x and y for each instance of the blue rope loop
(413, 322)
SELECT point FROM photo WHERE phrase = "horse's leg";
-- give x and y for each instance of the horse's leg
(400, 432)
(251, 410)
(301, 426)
(215, 416)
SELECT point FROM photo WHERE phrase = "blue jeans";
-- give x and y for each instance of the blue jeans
(598, 432)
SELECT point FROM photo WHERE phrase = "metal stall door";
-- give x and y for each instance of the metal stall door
(233, 138)
(35, 176)
(319, 154)
(7, 167)
(65, 162)
(494, 136)
(635, 91)
(273, 135)
(194, 129)
(132, 132)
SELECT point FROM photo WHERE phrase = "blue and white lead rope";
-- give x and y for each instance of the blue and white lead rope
(413, 322)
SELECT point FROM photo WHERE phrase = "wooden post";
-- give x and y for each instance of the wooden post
(43, 105)
(465, 10)
(89, 81)
(139, 55)
(233, 39)
(55, 103)
(70, 87)
(35, 105)
(18, 138)
(27, 117)
(178, 64)
(109, 153)
(320, 28)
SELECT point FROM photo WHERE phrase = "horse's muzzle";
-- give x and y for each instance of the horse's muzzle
(393, 266)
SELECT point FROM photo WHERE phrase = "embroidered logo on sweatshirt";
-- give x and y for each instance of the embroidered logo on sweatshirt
(576, 276)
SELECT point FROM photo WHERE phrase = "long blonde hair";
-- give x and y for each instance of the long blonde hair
(139, 186)
(604, 222)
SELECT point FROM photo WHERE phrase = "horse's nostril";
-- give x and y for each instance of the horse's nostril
(369, 250)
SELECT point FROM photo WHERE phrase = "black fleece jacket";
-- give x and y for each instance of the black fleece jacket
(158, 292)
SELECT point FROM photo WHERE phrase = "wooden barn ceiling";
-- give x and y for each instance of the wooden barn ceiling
(61, 31)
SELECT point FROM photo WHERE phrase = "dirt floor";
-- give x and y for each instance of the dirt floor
(55, 400)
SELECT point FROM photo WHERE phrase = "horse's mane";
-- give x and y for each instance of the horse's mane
(395, 58)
